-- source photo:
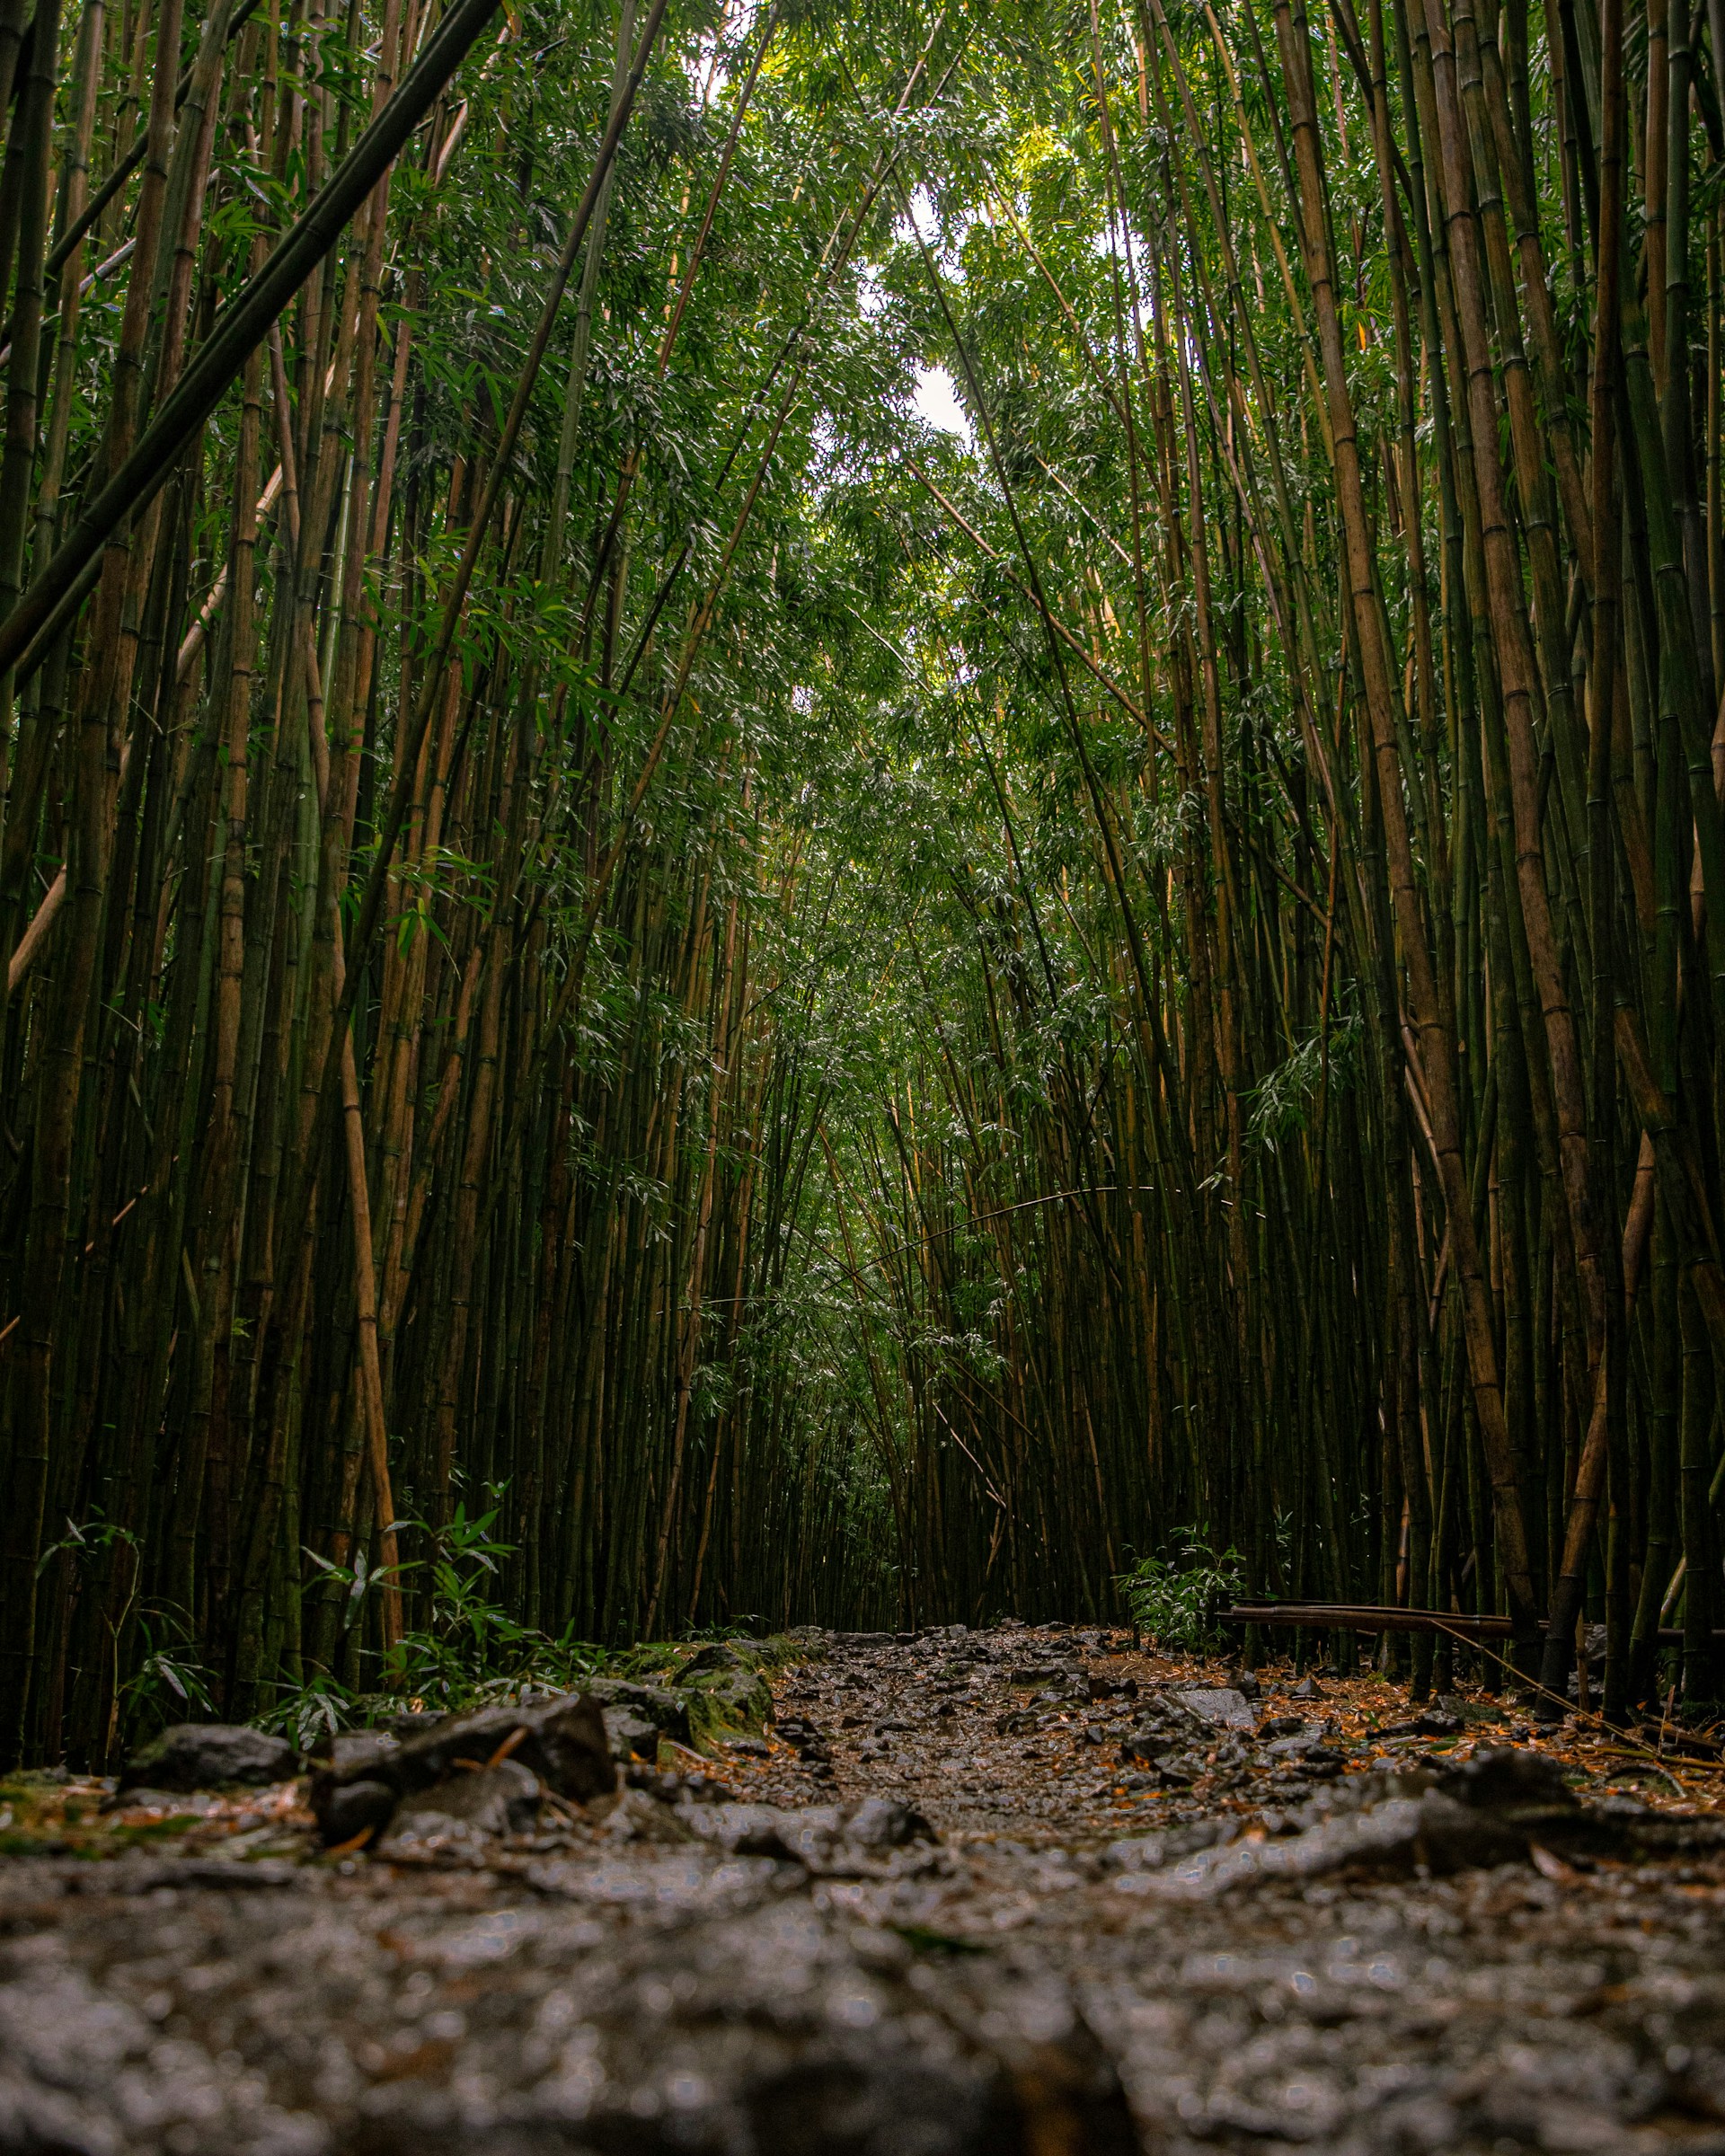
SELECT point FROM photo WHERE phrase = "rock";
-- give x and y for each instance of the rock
(1391, 1839)
(830, 1840)
(882, 1822)
(201, 1756)
(1502, 1779)
(503, 1799)
(1248, 1686)
(751, 1747)
(721, 1655)
(563, 1742)
(1150, 1852)
(1307, 1689)
(1436, 1722)
(355, 1807)
(1148, 1744)
(672, 1788)
(662, 1705)
(409, 1722)
(232, 1875)
(1224, 1708)
(635, 1816)
(1491, 1809)
(722, 1689)
(736, 2019)
(762, 1830)
(180, 1803)
(356, 1750)
(1163, 1723)
(629, 1735)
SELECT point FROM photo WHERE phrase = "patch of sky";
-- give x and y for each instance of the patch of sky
(936, 401)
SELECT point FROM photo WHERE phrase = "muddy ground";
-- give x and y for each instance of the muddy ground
(970, 1893)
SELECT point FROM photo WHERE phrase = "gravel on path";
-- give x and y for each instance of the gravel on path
(1020, 1890)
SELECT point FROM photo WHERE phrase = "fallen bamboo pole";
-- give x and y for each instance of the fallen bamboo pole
(1379, 1617)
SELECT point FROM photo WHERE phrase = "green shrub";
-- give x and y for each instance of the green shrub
(1171, 1598)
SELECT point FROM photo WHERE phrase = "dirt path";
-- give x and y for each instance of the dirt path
(953, 1904)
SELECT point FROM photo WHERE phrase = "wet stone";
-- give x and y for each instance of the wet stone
(660, 1705)
(1225, 1708)
(719, 2017)
(201, 1755)
(501, 1799)
(355, 1809)
(564, 1744)
(630, 1734)
(351, 1752)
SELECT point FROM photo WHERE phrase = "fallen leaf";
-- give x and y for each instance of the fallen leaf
(1551, 1866)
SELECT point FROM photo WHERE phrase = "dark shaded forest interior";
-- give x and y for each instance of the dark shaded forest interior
(865, 818)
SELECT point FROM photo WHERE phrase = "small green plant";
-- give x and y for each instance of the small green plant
(743, 1626)
(319, 1709)
(468, 1651)
(357, 1580)
(168, 1682)
(1173, 1598)
(471, 1642)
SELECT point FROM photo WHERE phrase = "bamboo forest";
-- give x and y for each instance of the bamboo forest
(866, 817)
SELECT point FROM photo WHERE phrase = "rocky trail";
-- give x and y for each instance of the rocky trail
(1021, 1890)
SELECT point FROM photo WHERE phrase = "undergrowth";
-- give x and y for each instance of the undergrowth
(470, 1652)
(1173, 1596)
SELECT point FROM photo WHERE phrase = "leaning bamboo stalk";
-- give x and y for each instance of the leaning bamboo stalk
(141, 471)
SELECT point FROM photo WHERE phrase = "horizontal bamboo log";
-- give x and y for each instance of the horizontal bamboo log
(1381, 1617)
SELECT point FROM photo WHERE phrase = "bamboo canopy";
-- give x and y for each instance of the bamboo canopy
(854, 821)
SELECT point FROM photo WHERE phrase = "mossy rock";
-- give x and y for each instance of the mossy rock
(726, 1692)
(721, 1683)
(719, 1655)
(653, 1659)
(727, 1703)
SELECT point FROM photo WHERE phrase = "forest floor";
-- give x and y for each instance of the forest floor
(1021, 1890)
